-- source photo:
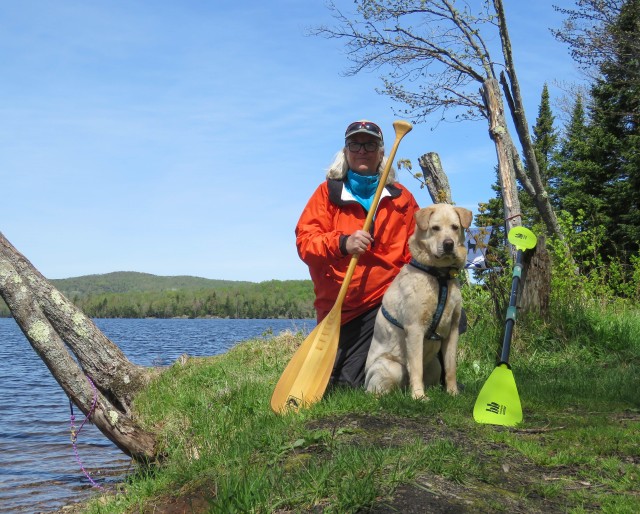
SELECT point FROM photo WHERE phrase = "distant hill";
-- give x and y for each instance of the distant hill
(134, 282)
(128, 294)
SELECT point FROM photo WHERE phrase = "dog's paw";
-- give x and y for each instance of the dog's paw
(378, 393)
(453, 391)
(419, 394)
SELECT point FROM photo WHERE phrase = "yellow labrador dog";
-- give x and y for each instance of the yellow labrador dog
(421, 309)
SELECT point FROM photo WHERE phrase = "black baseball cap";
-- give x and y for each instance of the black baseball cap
(363, 127)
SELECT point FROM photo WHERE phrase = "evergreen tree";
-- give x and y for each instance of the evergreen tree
(597, 173)
(615, 137)
(573, 164)
(545, 137)
(545, 142)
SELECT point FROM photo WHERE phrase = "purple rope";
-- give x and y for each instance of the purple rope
(75, 433)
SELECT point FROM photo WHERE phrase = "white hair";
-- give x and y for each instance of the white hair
(339, 167)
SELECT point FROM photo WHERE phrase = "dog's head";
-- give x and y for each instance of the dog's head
(439, 238)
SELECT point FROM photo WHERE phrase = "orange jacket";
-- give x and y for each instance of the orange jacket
(329, 217)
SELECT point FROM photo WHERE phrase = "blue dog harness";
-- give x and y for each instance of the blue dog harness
(443, 275)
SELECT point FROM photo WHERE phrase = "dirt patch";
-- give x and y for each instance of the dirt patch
(189, 503)
(508, 485)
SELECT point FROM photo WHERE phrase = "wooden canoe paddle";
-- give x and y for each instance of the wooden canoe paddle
(305, 378)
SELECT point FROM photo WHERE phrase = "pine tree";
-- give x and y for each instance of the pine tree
(615, 137)
(597, 174)
(572, 167)
(545, 142)
(545, 136)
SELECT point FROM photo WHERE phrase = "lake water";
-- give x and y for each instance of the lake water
(39, 471)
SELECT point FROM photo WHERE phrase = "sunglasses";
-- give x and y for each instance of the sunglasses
(367, 125)
(371, 146)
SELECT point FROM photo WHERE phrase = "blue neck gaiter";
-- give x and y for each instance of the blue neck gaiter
(362, 187)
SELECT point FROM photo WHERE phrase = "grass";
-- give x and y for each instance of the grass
(576, 451)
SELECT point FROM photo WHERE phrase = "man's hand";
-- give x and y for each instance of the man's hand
(358, 242)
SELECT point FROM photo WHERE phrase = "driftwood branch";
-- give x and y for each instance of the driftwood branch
(74, 350)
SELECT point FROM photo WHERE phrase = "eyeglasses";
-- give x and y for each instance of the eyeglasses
(370, 146)
(369, 126)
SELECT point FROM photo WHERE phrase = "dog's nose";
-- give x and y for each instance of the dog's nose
(448, 245)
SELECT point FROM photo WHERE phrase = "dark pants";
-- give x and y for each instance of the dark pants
(353, 347)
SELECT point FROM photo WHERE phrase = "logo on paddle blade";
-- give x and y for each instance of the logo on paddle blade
(522, 238)
(496, 408)
(293, 402)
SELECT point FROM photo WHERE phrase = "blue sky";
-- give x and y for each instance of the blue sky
(185, 137)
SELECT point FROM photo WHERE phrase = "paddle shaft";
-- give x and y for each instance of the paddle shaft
(511, 311)
(498, 402)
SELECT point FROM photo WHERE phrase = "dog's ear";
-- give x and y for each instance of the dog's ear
(465, 215)
(422, 217)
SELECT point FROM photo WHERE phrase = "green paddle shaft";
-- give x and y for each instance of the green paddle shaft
(511, 310)
(523, 239)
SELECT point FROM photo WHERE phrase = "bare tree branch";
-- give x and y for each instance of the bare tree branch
(450, 53)
(586, 31)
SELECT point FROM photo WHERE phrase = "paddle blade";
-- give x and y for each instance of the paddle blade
(498, 402)
(305, 378)
(522, 238)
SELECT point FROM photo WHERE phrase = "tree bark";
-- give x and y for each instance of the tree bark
(75, 351)
(536, 287)
(536, 284)
(516, 107)
(435, 178)
(499, 133)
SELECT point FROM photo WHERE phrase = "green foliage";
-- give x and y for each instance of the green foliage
(545, 142)
(495, 278)
(597, 275)
(599, 163)
(545, 137)
(572, 162)
(593, 173)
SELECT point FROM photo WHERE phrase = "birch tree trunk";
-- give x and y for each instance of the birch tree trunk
(77, 353)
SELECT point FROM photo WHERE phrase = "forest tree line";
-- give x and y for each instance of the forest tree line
(291, 299)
